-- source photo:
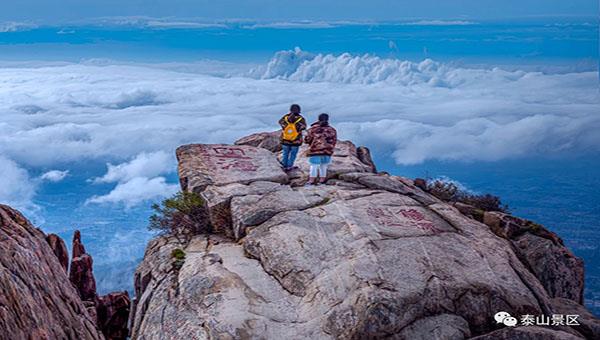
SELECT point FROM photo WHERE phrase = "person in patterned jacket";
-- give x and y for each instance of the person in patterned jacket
(321, 140)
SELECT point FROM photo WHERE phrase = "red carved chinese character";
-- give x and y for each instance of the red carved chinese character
(384, 216)
(412, 214)
(230, 153)
(236, 164)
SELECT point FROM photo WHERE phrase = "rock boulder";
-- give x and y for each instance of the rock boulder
(544, 253)
(589, 324)
(81, 273)
(266, 140)
(37, 301)
(60, 250)
(112, 315)
(528, 333)
(216, 164)
(369, 256)
(109, 312)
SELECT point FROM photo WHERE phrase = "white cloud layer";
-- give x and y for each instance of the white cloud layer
(55, 175)
(16, 187)
(12, 26)
(137, 180)
(293, 25)
(52, 114)
(143, 165)
(439, 23)
(136, 191)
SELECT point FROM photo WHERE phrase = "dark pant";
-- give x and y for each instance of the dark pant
(289, 155)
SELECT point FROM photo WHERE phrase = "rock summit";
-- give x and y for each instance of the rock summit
(367, 256)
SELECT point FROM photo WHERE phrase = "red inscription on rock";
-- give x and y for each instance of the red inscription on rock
(236, 153)
(417, 217)
(231, 159)
(385, 217)
(401, 217)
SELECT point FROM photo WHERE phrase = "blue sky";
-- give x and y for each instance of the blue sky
(68, 10)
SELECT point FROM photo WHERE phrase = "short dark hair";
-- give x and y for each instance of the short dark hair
(323, 117)
(295, 108)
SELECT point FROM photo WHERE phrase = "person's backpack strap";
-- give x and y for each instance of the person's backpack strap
(298, 121)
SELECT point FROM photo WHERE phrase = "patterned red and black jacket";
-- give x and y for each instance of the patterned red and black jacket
(321, 139)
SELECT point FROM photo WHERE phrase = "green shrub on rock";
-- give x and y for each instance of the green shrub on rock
(179, 256)
(184, 213)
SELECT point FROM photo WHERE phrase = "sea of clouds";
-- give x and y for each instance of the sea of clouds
(132, 117)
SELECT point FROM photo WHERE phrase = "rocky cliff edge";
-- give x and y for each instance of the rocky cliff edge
(41, 298)
(368, 256)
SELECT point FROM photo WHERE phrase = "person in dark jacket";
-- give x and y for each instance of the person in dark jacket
(292, 125)
(321, 139)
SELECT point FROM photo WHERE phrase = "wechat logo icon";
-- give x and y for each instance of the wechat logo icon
(506, 319)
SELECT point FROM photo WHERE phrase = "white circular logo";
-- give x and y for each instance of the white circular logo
(500, 316)
(505, 318)
(510, 321)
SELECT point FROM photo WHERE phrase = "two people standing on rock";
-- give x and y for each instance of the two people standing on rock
(321, 139)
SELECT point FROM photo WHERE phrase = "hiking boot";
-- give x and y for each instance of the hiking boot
(323, 181)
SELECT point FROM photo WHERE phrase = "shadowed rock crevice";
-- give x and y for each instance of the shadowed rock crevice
(369, 256)
(275, 277)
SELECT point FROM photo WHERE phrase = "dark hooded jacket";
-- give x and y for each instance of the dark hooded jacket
(300, 126)
(321, 139)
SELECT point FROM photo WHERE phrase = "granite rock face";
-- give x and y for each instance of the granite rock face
(368, 256)
(219, 164)
(559, 271)
(266, 140)
(37, 298)
(589, 324)
(77, 247)
(112, 313)
(60, 250)
(37, 301)
(82, 277)
(528, 333)
(364, 155)
(109, 312)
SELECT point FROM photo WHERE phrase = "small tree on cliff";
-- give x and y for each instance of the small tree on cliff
(183, 213)
(450, 192)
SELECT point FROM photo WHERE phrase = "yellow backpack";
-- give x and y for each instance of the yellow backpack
(290, 133)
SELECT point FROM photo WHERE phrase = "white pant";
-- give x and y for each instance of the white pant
(318, 170)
